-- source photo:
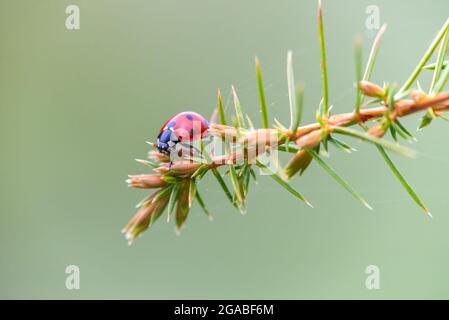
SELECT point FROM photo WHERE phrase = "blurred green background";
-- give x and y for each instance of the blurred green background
(77, 106)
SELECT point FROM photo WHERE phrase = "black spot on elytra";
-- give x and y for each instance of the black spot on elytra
(189, 117)
(171, 124)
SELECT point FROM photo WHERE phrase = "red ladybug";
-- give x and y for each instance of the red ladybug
(184, 127)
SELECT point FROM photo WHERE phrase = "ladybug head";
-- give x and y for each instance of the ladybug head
(166, 140)
(163, 147)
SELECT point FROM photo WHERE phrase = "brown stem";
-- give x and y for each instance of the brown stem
(309, 135)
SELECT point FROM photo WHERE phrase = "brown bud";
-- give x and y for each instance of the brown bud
(310, 140)
(142, 219)
(262, 137)
(418, 95)
(184, 168)
(371, 90)
(299, 162)
(160, 157)
(182, 208)
(377, 131)
(146, 181)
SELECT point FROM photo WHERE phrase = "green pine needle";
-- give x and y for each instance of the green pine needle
(377, 141)
(291, 148)
(203, 205)
(391, 100)
(341, 145)
(444, 78)
(440, 61)
(402, 180)
(424, 59)
(401, 128)
(147, 163)
(374, 53)
(444, 117)
(372, 58)
(216, 173)
(426, 119)
(221, 112)
(238, 110)
(250, 122)
(263, 102)
(358, 45)
(299, 106)
(432, 66)
(291, 87)
(337, 178)
(236, 186)
(223, 185)
(283, 183)
(323, 60)
(192, 191)
(155, 215)
(172, 201)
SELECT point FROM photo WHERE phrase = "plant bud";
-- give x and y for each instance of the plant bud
(371, 90)
(378, 130)
(182, 208)
(141, 220)
(160, 157)
(184, 168)
(146, 181)
(299, 162)
(418, 95)
(310, 140)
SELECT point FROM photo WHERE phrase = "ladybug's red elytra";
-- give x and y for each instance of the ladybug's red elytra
(184, 127)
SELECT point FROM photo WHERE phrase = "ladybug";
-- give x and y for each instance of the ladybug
(184, 127)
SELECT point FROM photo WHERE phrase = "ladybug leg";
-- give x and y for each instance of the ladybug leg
(172, 154)
(210, 140)
(174, 140)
